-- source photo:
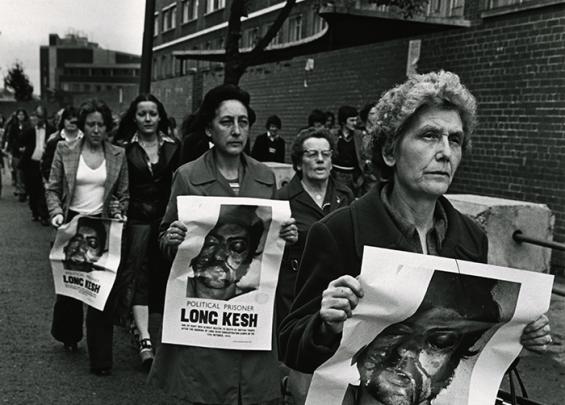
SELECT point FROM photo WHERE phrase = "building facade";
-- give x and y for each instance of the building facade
(509, 53)
(73, 69)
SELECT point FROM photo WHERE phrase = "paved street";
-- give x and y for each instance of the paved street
(35, 370)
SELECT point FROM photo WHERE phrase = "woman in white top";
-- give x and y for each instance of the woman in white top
(87, 177)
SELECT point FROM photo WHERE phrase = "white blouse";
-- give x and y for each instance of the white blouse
(88, 196)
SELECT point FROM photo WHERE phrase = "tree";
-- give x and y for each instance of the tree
(236, 63)
(18, 81)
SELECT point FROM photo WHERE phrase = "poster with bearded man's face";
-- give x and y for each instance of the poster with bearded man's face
(226, 254)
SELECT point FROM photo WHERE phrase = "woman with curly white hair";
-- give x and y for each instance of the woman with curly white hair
(423, 128)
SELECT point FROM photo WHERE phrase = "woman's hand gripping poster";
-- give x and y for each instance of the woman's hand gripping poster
(222, 285)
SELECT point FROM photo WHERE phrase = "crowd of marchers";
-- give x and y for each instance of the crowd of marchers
(374, 177)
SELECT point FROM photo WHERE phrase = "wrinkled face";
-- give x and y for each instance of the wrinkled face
(350, 123)
(411, 362)
(316, 163)
(70, 124)
(94, 129)
(147, 117)
(230, 128)
(428, 153)
(84, 246)
(224, 257)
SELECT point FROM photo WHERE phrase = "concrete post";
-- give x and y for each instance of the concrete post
(500, 218)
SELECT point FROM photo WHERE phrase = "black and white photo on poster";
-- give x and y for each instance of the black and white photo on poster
(222, 284)
(85, 257)
(430, 330)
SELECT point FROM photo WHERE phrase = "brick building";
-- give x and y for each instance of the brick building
(509, 53)
(73, 69)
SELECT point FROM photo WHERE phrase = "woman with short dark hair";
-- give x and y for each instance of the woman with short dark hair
(206, 375)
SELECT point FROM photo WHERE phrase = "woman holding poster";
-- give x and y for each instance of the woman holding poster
(205, 375)
(87, 177)
(423, 128)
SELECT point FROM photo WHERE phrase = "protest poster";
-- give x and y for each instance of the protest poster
(430, 330)
(85, 258)
(222, 285)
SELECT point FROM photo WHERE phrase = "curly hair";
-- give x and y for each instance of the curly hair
(301, 137)
(398, 106)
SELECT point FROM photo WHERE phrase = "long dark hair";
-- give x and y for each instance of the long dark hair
(128, 127)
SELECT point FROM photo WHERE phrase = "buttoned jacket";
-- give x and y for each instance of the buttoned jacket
(207, 375)
(201, 177)
(62, 178)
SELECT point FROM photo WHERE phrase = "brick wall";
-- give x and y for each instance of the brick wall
(515, 66)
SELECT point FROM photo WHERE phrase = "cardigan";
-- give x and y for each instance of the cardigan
(334, 247)
(62, 178)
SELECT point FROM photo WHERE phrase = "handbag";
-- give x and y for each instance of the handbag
(511, 397)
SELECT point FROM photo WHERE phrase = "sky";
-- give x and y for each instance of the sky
(25, 25)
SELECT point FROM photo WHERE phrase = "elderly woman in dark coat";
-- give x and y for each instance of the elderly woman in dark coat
(424, 127)
(312, 194)
(205, 375)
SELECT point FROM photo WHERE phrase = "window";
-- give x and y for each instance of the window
(189, 10)
(295, 28)
(319, 23)
(169, 18)
(156, 24)
(213, 5)
(279, 37)
(250, 37)
(503, 3)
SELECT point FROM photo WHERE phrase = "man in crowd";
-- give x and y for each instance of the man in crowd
(269, 147)
(32, 148)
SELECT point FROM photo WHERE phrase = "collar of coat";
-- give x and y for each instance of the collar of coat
(205, 169)
(294, 187)
(373, 226)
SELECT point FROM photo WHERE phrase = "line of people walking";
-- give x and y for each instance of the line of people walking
(379, 182)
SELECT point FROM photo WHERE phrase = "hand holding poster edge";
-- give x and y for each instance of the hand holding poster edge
(358, 330)
(230, 258)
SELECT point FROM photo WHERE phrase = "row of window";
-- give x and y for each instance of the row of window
(166, 19)
(104, 72)
(167, 66)
(88, 87)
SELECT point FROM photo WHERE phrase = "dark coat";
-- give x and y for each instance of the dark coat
(28, 141)
(149, 189)
(266, 151)
(305, 211)
(334, 247)
(206, 375)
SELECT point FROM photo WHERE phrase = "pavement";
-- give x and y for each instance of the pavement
(34, 369)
